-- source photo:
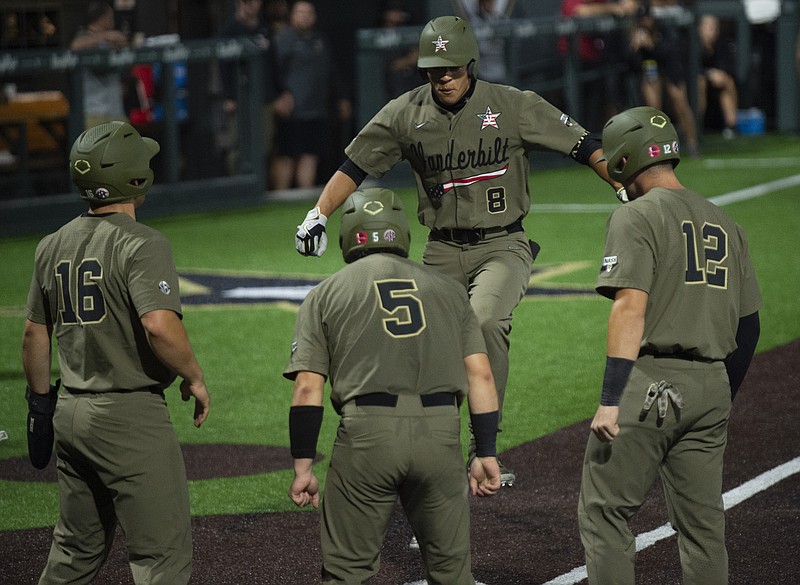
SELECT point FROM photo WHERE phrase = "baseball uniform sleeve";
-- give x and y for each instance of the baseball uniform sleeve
(376, 149)
(37, 310)
(545, 127)
(628, 257)
(750, 298)
(309, 346)
(152, 279)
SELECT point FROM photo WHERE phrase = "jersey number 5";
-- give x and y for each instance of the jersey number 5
(714, 253)
(406, 315)
(91, 305)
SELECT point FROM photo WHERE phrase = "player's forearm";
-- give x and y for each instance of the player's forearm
(36, 357)
(335, 192)
(600, 166)
(170, 342)
(482, 390)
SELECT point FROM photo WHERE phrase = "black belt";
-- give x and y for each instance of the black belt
(678, 355)
(390, 400)
(151, 389)
(473, 236)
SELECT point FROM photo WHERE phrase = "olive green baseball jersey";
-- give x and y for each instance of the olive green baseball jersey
(476, 159)
(693, 261)
(379, 318)
(92, 280)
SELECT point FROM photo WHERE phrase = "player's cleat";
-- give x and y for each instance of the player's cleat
(507, 476)
(413, 545)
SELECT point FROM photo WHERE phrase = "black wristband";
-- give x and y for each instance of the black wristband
(304, 425)
(614, 380)
(484, 429)
(43, 403)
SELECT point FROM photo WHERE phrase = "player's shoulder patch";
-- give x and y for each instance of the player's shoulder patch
(608, 263)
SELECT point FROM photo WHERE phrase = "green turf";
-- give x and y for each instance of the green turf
(557, 349)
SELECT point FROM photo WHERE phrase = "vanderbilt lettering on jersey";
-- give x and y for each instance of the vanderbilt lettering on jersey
(457, 156)
(493, 154)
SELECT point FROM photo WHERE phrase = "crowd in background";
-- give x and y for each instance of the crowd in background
(308, 113)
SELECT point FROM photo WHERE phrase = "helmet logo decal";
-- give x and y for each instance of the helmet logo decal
(373, 207)
(654, 151)
(361, 237)
(390, 235)
(82, 166)
(489, 118)
(658, 121)
(101, 193)
(164, 287)
(440, 44)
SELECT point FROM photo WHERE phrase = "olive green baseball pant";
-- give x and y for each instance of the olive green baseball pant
(382, 453)
(119, 461)
(496, 272)
(686, 449)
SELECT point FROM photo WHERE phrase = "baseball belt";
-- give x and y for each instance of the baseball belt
(390, 400)
(472, 236)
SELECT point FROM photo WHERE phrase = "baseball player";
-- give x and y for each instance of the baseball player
(402, 348)
(467, 141)
(682, 331)
(106, 286)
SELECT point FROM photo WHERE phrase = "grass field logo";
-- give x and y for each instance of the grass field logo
(208, 288)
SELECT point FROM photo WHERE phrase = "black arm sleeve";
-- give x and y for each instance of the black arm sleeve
(584, 148)
(739, 361)
(353, 171)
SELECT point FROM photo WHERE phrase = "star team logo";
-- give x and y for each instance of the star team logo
(440, 44)
(489, 118)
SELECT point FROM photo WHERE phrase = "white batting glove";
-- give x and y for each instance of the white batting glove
(622, 195)
(311, 239)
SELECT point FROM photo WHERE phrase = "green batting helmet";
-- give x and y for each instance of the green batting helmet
(448, 41)
(373, 220)
(639, 138)
(111, 162)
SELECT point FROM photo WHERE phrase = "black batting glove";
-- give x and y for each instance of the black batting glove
(41, 408)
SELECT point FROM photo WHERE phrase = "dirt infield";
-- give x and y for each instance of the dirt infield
(527, 534)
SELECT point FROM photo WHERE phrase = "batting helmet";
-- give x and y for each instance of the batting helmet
(448, 41)
(111, 162)
(636, 139)
(373, 220)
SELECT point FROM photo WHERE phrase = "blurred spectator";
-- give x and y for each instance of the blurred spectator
(603, 97)
(759, 89)
(102, 89)
(483, 15)
(661, 51)
(717, 74)
(401, 63)
(276, 15)
(246, 22)
(312, 87)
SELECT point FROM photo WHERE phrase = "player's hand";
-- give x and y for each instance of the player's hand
(305, 487)
(622, 195)
(484, 476)
(202, 400)
(41, 409)
(604, 424)
(311, 239)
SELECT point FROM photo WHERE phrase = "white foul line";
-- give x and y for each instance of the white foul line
(727, 198)
(730, 498)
